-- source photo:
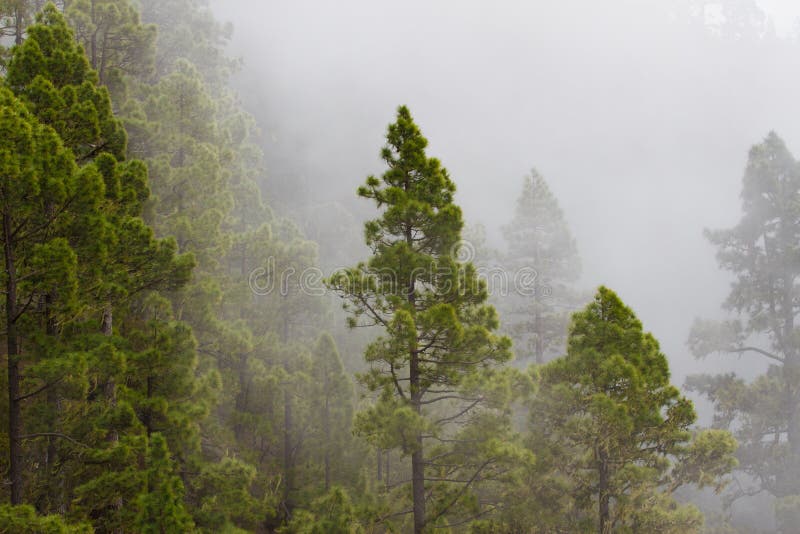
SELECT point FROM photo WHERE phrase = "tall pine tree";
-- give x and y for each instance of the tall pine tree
(437, 350)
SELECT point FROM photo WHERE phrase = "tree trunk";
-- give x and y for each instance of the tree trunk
(12, 348)
(603, 493)
(387, 472)
(288, 467)
(93, 40)
(417, 457)
(54, 403)
(326, 425)
(379, 454)
(107, 329)
(287, 452)
(242, 398)
(418, 487)
(539, 350)
(147, 416)
(18, 26)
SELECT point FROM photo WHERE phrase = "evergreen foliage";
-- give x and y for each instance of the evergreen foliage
(761, 252)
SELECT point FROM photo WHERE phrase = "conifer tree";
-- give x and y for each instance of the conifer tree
(119, 257)
(437, 351)
(615, 434)
(117, 44)
(39, 188)
(50, 72)
(333, 396)
(762, 253)
(543, 260)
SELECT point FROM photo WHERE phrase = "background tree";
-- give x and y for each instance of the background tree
(438, 352)
(762, 252)
(16, 16)
(117, 44)
(543, 260)
(333, 397)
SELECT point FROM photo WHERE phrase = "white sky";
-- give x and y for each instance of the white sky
(641, 126)
(784, 13)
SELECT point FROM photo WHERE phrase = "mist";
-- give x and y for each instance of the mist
(639, 114)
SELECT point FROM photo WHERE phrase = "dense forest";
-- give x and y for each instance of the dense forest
(182, 355)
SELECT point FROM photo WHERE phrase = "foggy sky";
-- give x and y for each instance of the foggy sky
(639, 117)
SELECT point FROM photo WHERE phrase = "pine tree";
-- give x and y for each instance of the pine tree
(615, 434)
(119, 260)
(333, 397)
(437, 352)
(50, 72)
(117, 44)
(762, 252)
(39, 189)
(543, 260)
(189, 31)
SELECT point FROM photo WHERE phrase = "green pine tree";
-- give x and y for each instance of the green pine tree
(614, 436)
(50, 72)
(434, 363)
(39, 189)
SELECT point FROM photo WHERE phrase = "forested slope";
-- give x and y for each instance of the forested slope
(172, 347)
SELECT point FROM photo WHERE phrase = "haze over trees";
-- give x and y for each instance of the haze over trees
(543, 257)
(177, 360)
(761, 251)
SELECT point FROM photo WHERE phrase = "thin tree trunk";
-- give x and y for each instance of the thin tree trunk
(603, 491)
(18, 26)
(418, 486)
(379, 454)
(54, 403)
(147, 416)
(107, 329)
(536, 309)
(288, 467)
(387, 471)
(326, 424)
(12, 348)
(242, 399)
(538, 328)
(417, 456)
(414, 383)
(287, 451)
(93, 41)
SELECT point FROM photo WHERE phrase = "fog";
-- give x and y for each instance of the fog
(639, 114)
